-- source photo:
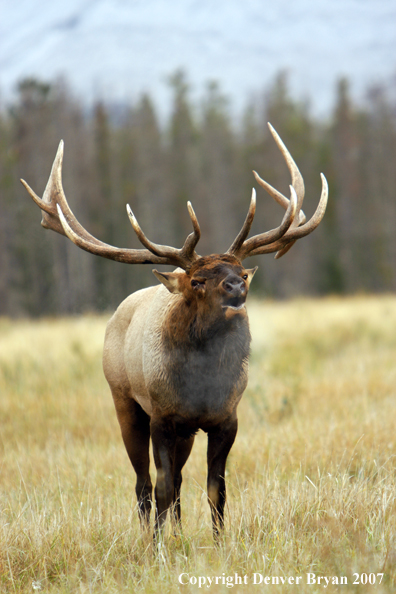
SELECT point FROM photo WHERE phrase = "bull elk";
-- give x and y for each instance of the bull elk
(176, 354)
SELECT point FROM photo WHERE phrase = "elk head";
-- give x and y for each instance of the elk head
(214, 285)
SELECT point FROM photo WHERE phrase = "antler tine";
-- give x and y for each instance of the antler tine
(297, 179)
(244, 232)
(53, 188)
(190, 244)
(53, 197)
(179, 257)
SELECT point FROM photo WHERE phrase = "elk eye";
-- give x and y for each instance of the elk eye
(196, 284)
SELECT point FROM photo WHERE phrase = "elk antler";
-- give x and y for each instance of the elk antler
(293, 225)
(57, 215)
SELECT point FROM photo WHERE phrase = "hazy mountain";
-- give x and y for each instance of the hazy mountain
(119, 48)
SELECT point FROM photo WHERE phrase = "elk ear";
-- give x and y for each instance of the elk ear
(251, 272)
(171, 280)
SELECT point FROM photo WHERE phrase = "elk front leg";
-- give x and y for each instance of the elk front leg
(164, 441)
(220, 440)
(183, 450)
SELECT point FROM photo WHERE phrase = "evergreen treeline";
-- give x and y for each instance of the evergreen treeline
(201, 155)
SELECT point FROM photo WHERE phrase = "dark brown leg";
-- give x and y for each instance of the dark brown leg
(183, 450)
(220, 440)
(164, 448)
(135, 430)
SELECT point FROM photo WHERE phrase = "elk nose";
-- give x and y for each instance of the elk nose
(234, 285)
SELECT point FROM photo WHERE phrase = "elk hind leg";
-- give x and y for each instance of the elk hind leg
(164, 440)
(135, 430)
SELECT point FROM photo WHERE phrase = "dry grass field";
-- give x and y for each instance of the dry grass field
(311, 477)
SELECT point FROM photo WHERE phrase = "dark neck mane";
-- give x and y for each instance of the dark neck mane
(188, 328)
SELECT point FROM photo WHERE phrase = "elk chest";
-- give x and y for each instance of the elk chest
(197, 379)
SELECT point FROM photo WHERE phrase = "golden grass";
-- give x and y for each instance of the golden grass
(311, 477)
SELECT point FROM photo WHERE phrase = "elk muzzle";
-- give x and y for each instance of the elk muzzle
(235, 291)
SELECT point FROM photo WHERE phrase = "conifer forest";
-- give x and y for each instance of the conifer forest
(201, 153)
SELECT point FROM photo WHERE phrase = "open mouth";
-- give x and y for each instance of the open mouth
(235, 304)
(234, 307)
